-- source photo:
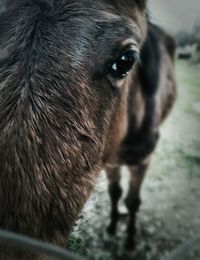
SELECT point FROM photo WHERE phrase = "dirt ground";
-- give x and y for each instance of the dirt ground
(170, 213)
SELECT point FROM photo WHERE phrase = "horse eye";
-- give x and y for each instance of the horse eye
(123, 64)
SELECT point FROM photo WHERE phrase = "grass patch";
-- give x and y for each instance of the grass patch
(193, 159)
(188, 74)
(190, 161)
(188, 79)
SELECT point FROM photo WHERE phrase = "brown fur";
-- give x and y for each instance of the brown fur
(146, 112)
(61, 117)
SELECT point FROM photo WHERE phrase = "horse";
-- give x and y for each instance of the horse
(70, 79)
(150, 101)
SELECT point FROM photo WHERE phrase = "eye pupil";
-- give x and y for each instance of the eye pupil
(123, 64)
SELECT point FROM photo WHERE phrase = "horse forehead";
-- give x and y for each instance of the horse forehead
(100, 16)
(87, 31)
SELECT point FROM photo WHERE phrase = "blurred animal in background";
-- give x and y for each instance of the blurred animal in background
(73, 99)
(150, 100)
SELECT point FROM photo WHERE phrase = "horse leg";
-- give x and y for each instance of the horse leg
(115, 192)
(133, 201)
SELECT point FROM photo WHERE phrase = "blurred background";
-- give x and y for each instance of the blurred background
(176, 15)
(182, 19)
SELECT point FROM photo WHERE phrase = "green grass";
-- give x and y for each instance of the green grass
(188, 74)
(188, 78)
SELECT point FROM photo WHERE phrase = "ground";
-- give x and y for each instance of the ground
(170, 212)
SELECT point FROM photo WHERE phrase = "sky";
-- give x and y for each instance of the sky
(175, 15)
